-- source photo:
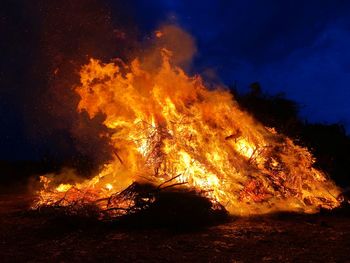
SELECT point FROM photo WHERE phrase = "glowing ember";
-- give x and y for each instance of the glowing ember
(109, 187)
(168, 126)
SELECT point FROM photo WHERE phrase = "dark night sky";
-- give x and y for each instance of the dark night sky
(300, 48)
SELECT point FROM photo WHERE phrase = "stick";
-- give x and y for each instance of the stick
(116, 154)
(172, 185)
(167, 181)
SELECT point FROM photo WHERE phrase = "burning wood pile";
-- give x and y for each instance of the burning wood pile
(169, 131)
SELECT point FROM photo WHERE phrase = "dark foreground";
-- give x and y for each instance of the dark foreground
(33, 237)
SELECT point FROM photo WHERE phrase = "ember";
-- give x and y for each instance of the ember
(169, 130)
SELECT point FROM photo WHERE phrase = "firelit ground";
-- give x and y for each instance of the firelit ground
(35, 237)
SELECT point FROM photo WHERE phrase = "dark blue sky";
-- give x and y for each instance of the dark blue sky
(300, 48)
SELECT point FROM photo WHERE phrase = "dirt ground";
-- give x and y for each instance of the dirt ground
(34, 237)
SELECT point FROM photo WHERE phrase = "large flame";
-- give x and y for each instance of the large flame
(167, 125)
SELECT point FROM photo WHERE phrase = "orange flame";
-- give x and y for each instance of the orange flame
(169, 125)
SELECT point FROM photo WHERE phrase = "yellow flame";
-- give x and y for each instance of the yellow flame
(166, 125)
(63, 187)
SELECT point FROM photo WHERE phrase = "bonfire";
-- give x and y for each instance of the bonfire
(168, 130)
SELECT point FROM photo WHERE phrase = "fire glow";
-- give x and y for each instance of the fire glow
(168, 128)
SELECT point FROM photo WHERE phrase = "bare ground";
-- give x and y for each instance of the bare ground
(34, 237)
